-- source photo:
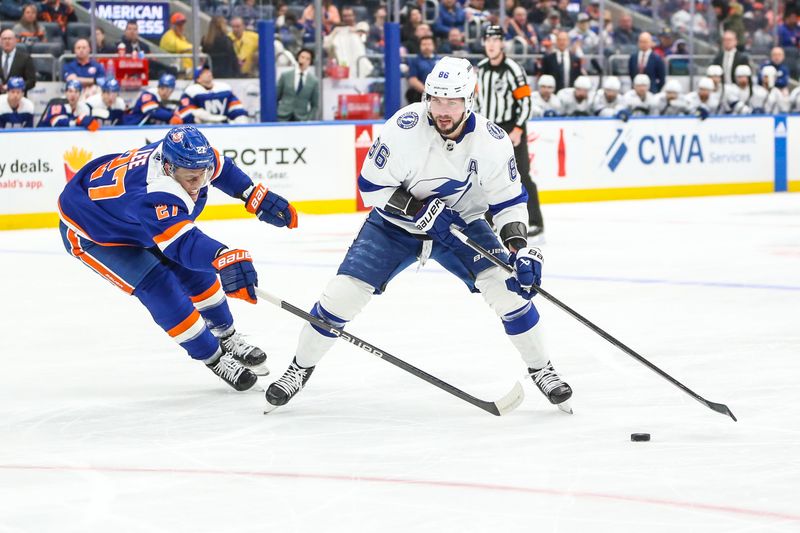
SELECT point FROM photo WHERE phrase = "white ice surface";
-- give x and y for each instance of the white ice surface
(106, 426)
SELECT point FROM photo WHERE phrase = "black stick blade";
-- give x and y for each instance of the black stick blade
(721, 408)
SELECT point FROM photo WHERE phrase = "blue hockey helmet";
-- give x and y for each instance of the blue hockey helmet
(186, 147)
(167, 80)
(199, 70)
(74, 84)
(110, 86)
(15, 82)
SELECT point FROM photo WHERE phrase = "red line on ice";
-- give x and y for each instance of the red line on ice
(421, 482)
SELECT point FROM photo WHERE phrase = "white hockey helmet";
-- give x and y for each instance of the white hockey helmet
(742, 70)
(451, 77)
(546, 80)
(706, 83)
(583, 82)
(673, 86)
(641, 79)
(770, 74)
(612, 83)
(714, 70)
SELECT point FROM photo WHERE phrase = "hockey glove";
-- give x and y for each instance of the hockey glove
(702, 113)
(435, 219)
(527, 264)
(623, 115)
(550, 113)
(271, 208)
(236, 273)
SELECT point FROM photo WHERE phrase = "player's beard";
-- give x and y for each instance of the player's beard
(453, 128)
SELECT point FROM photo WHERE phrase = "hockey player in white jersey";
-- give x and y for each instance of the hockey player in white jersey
(776, 102)
(794, 100)
(703, 101)
(639, 100)
(607, 102)
(715, 73)
(544, 101)
(107, 107)
(670, 101)
(208, 101)
(16, 111)
(752, 98)
(436, 163)
(577, 100)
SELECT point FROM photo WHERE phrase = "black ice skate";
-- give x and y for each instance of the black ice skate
(552, 386)
(233, 373)
(250, 356)
(288, 385)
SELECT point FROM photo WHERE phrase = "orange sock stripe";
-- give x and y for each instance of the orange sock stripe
(185, 324)
(215, 291)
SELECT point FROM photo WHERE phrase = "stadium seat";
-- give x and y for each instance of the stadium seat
(55, 49)
(52, 31)
(77, 30)
(265, 12)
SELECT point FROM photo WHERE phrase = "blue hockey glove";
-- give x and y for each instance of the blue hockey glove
(759, 111)
(435, 219)
(623, 115)
(702, 113)
(237, 275)
(271, 208)
(550, 113)
(527, 264)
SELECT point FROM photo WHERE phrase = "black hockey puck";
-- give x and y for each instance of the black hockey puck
(640, 437)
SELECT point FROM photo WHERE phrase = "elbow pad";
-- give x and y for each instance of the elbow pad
(402, 203)
(514, 235)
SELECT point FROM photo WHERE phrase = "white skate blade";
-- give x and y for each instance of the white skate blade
(565, 406)
(269, 408)
(260, 369)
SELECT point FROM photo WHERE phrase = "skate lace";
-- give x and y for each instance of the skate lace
(228, 369)
(291, 381)
(236, 344)
(546, 379)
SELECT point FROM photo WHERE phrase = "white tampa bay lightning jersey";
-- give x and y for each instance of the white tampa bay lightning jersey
(639, 106)
(671, 107)
(540, 105)
(602, 107)
(694, 102)
(472, 174)
(571, 106)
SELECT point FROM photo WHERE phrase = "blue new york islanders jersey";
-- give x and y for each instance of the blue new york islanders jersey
(127, 200)
(148, 109)
(59, 115)
(219, 100)
(21, 117)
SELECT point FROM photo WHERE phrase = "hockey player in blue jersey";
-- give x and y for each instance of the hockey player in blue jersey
(64, 113)
(16, 111)
(210, 102)
(150, 107)
(130, 218)
(107, 107)
(437, 163)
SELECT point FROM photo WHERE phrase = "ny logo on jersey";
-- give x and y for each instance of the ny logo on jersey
(216, 107)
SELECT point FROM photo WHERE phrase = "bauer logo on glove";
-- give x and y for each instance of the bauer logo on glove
(527, 264)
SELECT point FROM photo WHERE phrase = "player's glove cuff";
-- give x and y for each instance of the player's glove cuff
(271, 208)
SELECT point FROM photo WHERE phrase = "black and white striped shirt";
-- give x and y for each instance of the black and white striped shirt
(504, 95)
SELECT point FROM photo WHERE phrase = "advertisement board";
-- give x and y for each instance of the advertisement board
(151, 17)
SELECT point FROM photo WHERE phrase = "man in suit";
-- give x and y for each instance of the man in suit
(564, 65)
(646, 61)
(729, 57)
(14, 62)
(297, 91)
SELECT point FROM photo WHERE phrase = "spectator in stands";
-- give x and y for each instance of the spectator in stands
(567, 18)
(539, 13)
(777, 59)
(645, 61)
(520, 28)
(422, 30)
(583, 34)
(247, 12)
(346, 45)
(174, 40)
(451, 15)
(625, 36)
(14, 61)
(760, 40)
(290, 33)
(419, 68)
(280, 14)
(409, 28)
(729, 18)
(62, 13)
(83, 68)
(665, 42)
(298, 91)
(550, 27)
(476, 10)
(563, 64)
(593, 10)
(375, 37)
(330, 16)
(16, 111)
(101, 44)
(131, 39)
(245, 44)
(682, 20)
(455, 45)
(224, 62)
(789, 32)
(28, 30)
(729, 57)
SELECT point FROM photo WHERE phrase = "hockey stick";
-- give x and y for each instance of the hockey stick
(718, 407)
(503, 406)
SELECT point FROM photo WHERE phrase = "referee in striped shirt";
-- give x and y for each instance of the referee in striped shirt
(504, 97)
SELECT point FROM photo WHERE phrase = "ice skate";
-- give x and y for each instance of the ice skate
(250, 356)
(232, 372)
(552, 386)
(287, 386)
